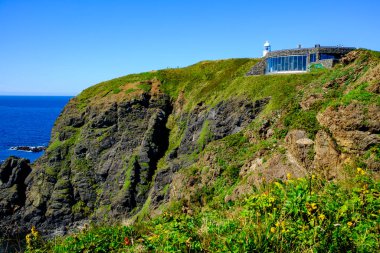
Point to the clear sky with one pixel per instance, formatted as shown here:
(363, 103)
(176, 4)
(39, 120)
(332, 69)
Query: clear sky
(60, 47)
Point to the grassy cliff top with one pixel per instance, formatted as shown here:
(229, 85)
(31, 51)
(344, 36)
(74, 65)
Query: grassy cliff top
(207, 81)
(213, 81)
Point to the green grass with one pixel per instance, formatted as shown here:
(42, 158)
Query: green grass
(282, 216)
(360, 94)
(130, 90)
(116, 90)
(128, 171)
(300, 119)
(145, 87)
(205, 135)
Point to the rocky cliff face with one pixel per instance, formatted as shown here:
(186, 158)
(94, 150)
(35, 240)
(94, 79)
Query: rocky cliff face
(101, 161)
(116, 150)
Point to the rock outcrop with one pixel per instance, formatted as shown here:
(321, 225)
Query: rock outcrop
(102, 161)
(203, 126)
(13, 173)
(355, 127)
(300, 147)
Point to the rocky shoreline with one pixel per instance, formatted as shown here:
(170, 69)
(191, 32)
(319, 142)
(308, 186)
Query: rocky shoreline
(34, 149)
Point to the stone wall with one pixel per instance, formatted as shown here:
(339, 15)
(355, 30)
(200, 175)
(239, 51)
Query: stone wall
(258, 68)
(329, 63)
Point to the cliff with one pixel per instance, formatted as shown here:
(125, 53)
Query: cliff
(132, 146)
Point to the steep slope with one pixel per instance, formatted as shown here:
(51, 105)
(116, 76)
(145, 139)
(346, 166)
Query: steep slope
(199, 137)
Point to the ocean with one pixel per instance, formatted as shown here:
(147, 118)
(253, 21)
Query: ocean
(27, 121)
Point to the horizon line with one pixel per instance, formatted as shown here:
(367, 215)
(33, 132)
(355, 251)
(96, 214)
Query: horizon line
(36, 95)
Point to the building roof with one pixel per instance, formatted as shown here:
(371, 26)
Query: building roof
(316, 49)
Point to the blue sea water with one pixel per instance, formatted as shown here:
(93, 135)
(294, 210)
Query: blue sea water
(27, 121)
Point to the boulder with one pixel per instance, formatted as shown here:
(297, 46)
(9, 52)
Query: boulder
(327, 156)
(13, 173)
(355, 127)
(300, 147)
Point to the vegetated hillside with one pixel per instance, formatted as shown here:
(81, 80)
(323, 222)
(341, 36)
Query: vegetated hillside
(204, 158)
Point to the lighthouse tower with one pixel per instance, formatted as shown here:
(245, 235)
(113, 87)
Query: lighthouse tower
(267, 48)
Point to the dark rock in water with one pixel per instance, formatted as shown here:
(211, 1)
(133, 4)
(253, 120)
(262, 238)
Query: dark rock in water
(34, 149)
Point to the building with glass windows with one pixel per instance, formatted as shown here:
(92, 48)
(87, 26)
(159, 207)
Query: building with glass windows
(297, 60)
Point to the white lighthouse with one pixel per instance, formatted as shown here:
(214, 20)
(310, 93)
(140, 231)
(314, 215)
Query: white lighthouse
(267, 48)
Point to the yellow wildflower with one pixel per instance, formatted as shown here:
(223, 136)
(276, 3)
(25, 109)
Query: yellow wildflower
(289, 176)
(313, 176)
(360, 171)
(34, 231)
(277, 224)
(322, 217)
(273, 229)
(311, 207)
(28, 239)
(278, 185)
(350, 224)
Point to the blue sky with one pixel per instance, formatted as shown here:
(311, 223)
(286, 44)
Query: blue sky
(61, 47)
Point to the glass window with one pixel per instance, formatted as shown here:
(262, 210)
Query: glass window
(286, 63)
(276, 62)
(299, 62)
(271, 65)
(327, 56)
(292, 63)
(304, 62)
(313, 57)
(294, 58)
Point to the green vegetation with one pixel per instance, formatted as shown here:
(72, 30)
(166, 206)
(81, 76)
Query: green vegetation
(130, 90)
(130, 165)
(281, 216)
(116, 90)
(55, 144)
(205, 135)
(144, 86)
(80, 207)
(300, 119)
(360, 94)
(221, 209)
